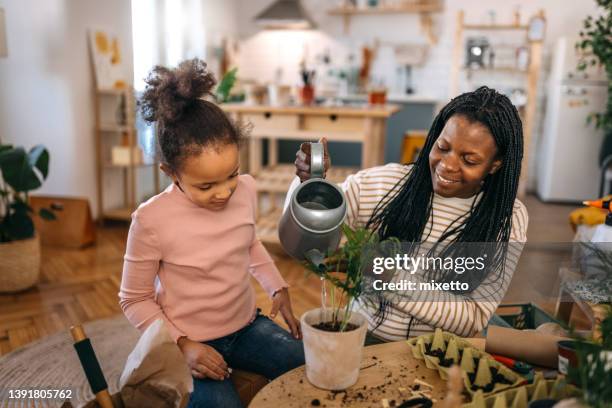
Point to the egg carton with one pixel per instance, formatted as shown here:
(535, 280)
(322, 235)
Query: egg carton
(520, 397)
(483, 376)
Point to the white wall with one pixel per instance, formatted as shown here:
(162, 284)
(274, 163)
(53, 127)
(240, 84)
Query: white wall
(46, 84)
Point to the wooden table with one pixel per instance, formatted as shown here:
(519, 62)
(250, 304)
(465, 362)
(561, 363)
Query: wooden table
(387, 372)
(365, 124)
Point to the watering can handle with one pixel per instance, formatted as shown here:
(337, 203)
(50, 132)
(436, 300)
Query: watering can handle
(316, 160)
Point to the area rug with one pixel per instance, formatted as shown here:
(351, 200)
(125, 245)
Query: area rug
(52, 363)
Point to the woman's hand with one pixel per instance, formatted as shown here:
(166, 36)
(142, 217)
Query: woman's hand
(203, 360)
(281, 301)
(302, 160)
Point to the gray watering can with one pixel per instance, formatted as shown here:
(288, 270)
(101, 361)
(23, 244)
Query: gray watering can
(312, 222)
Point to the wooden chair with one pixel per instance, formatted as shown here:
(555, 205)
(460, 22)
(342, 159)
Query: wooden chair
(413, 143)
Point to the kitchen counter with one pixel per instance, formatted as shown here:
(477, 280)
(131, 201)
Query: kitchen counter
(365, 110)
(395, 98)
(361, 123)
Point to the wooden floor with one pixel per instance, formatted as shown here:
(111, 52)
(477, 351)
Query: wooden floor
(82, 285)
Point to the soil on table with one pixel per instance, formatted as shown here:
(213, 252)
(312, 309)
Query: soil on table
(334, 326)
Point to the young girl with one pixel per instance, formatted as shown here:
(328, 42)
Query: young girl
(191, 248)
(461, 189)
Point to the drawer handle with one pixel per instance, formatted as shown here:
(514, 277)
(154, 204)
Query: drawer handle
(267, 115)
(333, 118)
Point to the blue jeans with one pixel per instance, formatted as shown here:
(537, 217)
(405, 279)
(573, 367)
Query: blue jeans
(261, 347)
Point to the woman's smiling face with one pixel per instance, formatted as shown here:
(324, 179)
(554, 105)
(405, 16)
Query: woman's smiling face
(464, 154)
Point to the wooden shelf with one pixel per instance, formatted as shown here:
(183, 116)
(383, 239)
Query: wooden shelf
(495, 27)
(118, 214)
(422, 7)
(277, 179)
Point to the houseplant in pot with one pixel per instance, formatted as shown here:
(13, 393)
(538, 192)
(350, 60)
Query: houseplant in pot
(596, 45)
(21, 171)
(334, 336)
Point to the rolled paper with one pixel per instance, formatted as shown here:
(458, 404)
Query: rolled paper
(438, 341)
(500, 401)
(483, 375)
(540, 391)
(452, 352)
(528, 346)
(520, 398)
(467, 361)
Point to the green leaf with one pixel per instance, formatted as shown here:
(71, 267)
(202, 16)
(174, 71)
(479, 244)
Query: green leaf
(226, 85)
(5, 148)
(47, 214)
(17, 170)
(19, 226)
(20, 206)
(39, 158)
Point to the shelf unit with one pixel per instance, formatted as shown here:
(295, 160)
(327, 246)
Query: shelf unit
(422, 7)
(106, 135)
(530, 75)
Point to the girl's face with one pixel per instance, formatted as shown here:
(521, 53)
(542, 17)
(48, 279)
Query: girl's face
(464, 154)
(210, 177)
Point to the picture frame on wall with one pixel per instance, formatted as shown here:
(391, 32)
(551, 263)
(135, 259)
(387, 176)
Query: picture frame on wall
(106, 58)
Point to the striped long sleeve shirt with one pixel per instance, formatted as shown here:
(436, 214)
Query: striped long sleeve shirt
(464, 316)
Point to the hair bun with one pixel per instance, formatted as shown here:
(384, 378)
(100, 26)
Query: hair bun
(170, 91)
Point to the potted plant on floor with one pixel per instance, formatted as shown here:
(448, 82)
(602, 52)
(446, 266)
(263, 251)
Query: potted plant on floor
(334, 336)
(20, 173)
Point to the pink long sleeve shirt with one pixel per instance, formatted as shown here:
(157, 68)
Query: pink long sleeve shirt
(190, 266)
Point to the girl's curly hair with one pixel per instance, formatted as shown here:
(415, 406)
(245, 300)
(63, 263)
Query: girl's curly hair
(186, 122)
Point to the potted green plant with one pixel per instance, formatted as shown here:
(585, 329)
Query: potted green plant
(334, 336)
(20, 173)
(593, 369)
(596, 46)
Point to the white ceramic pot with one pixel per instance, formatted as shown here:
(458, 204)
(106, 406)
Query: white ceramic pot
(19, 265)
(332, 358)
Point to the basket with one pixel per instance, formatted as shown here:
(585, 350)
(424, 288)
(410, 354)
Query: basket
(20, 266)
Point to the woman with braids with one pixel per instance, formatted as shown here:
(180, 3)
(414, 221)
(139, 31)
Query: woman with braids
(460, 191)
(192, 248)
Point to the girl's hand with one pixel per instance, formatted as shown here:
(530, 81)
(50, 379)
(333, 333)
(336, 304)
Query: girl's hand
(302, 160)
(281, 301)
(203, 360)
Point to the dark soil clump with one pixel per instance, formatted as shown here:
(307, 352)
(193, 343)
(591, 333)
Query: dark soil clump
(334, 326)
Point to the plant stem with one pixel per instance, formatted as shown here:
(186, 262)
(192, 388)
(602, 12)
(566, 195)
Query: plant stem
(347, 311)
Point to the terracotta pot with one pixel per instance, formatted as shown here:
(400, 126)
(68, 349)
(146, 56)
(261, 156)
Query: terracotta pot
(20, 265)
(307, 94)
(332, 358)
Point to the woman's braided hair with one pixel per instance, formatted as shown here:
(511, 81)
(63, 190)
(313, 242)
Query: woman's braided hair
(405, 210)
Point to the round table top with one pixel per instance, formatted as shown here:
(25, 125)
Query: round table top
(388, 371)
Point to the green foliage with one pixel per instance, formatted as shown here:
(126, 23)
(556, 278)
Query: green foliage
(596, 46)
(226, 85)
(20, 173)
(594, 372)
(352, 259)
